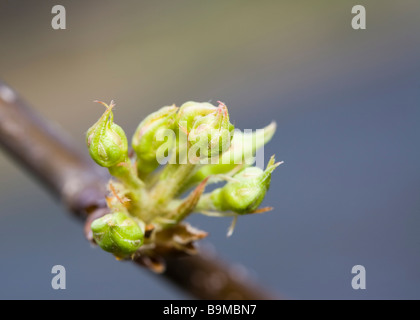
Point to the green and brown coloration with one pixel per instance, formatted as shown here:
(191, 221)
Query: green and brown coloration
(147, 213)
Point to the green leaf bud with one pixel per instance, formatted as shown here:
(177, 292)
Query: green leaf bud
(106, 140)
(246, 191)
(117, 233)
(145, 142)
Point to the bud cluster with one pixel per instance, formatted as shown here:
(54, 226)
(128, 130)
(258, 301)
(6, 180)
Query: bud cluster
(175, 149)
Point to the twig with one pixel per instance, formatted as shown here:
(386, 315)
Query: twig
(48, 153)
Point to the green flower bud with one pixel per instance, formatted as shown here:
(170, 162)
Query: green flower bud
(145, 142)
(106, 140)
(117, 233)
(246, 192)
(211, 135)
(192, 110)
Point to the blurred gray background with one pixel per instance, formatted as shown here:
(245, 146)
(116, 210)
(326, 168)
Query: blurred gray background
(347, 104)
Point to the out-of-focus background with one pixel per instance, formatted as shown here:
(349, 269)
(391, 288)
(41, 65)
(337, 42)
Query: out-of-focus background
(347, 104)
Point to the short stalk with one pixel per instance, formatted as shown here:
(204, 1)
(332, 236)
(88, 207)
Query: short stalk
(135, 187)
(172, 180)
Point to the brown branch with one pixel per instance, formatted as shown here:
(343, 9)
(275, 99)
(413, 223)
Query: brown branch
(48, 153)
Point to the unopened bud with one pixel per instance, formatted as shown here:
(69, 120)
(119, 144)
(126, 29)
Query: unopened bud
(246, 191)
(118, 234)
(210, 135)
(106, 140)
(191, 111)
(145, 142)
